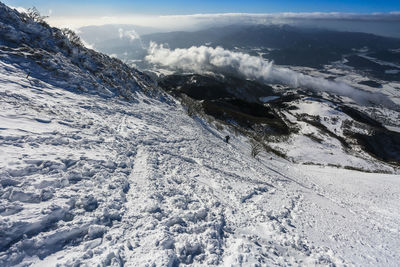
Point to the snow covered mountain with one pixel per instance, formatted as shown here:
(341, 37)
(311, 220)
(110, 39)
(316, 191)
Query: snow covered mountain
(99, 167)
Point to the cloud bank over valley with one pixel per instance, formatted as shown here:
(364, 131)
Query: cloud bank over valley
(204, 59)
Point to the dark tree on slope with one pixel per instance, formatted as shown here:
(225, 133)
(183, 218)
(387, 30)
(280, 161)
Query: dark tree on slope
(35, 15)
(255, 148)
(72, 36)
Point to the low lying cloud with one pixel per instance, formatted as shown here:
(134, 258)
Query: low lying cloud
(131, 34)
(205, 59)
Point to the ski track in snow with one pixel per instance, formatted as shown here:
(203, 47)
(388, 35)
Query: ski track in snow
(89, 180)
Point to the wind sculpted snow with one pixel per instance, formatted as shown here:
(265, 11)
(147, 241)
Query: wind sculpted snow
(93, 180)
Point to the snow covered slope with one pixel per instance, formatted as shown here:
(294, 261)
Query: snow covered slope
(92, 176)
(40, 50)
(88, 179)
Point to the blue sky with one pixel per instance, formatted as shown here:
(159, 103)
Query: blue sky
(156, 7)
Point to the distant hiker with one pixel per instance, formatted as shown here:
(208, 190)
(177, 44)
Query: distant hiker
(227, 139)
(27, 76)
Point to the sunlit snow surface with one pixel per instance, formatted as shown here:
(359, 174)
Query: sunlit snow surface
(93, 180)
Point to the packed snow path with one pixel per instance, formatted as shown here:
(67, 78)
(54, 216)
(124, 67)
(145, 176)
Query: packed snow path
(91, 180)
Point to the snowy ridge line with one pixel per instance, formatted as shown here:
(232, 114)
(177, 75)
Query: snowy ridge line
(74, 66)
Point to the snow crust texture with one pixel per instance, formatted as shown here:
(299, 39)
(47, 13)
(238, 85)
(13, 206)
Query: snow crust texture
(115, 177)
(93, 180)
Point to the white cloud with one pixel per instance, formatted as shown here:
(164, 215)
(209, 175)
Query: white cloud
(121, 33)
(131, 34)
(204, 59)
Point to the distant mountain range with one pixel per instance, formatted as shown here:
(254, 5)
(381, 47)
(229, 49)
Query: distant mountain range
(284, 44)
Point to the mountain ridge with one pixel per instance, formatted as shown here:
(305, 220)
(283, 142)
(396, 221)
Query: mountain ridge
(61, 52)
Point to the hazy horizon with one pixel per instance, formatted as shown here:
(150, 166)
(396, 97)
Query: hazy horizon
(360, 16)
